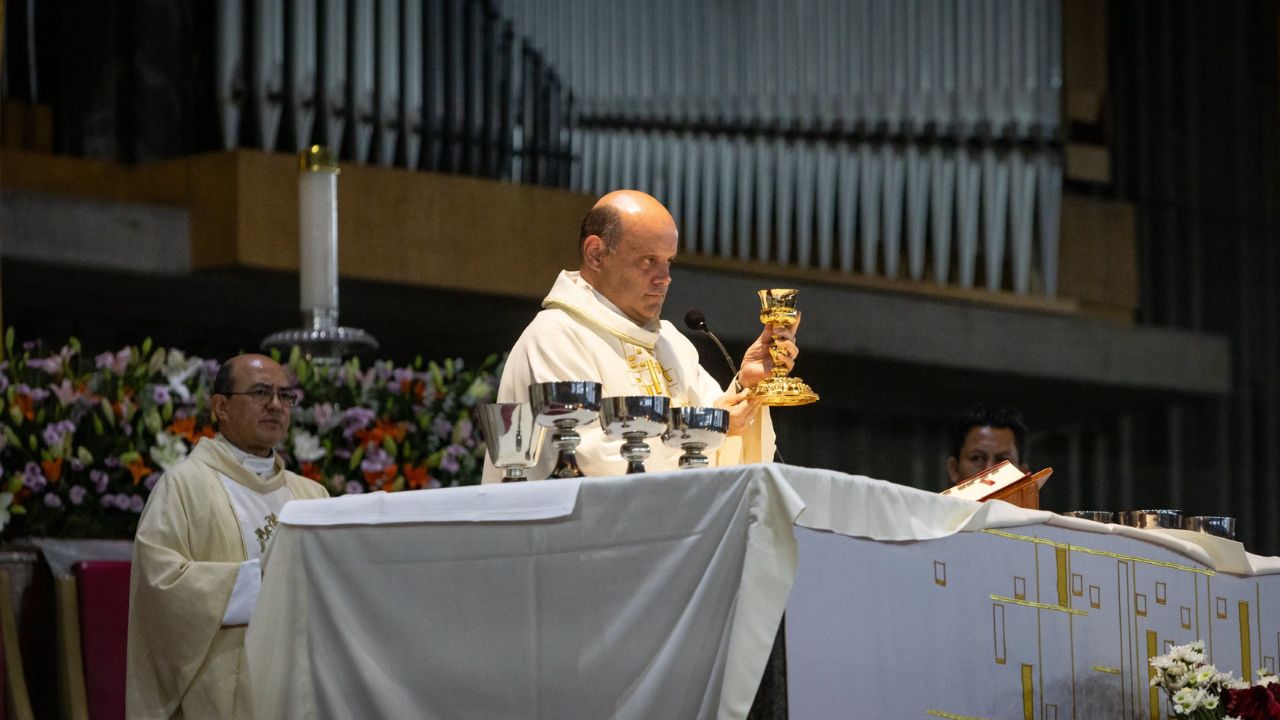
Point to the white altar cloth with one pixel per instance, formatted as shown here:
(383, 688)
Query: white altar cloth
(1002, 612)
(658, 596)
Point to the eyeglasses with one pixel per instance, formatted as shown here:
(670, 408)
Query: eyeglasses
(262, 395)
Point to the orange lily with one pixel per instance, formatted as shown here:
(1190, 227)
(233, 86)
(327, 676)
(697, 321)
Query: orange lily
(382, 429)
(379, 480)
(416, 476)
(138, 469)
(52, 469)
(26, 406)
(184, 428)
(311, 472)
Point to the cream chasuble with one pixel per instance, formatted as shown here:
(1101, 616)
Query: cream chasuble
(182, 661)
(580, 335)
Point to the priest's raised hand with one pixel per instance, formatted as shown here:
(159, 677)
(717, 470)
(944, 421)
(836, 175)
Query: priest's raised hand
(757, 362)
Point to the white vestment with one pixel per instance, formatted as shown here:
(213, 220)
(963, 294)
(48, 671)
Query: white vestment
(193, 583)
(580, 335)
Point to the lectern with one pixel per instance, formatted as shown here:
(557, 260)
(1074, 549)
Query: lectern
(1006, 482)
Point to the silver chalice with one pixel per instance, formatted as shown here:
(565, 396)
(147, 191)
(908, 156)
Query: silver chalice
(563, 406)
(512, 436)
(632, 418)
(696, 430)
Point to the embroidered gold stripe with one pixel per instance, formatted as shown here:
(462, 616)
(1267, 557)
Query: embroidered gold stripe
(586, 318)
(953, 716)
(1041, 606)
(1103, 669)
(1100, 553)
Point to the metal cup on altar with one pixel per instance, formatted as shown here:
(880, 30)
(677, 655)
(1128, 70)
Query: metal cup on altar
(778, 310)
(696, 430)
(562, 406)
(1148, 519)
(512, 436)
(633, 418)
(1219, 525)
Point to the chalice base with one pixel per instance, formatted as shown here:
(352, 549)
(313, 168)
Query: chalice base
(784, 391)
(566, 466)
(693, 458)
(514, 474)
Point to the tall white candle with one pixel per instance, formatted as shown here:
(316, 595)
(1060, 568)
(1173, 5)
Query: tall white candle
(318, 237)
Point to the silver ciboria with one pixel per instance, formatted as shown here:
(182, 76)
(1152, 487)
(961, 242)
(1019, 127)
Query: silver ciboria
(695, 430)
(633, 418)
(563, 406)
(512, 436)
(1148, 519)
(1220, 525)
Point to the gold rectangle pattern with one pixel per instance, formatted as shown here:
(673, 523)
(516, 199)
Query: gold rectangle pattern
(1064, 597)
(1246, 650)
(1028, 694)
(1154, 694)
(997, 631)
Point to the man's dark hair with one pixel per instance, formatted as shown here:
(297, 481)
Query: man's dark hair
(604, 221)
(993, 415)
(224, 383)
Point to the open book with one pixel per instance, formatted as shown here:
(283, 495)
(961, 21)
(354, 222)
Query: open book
(1000, 482)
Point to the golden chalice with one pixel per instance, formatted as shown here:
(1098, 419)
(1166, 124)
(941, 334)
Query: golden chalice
(778, 310)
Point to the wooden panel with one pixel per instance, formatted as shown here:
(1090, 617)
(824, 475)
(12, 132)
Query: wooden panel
(416, 228)
(395, 226)
(1098, 259)
(1084, 51)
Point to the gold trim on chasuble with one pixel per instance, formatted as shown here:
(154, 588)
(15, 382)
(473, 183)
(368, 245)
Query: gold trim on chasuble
(644, 371)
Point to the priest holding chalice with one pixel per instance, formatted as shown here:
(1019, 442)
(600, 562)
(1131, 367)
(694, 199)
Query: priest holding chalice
(602, 323)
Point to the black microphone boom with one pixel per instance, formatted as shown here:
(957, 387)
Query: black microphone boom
(695, 320)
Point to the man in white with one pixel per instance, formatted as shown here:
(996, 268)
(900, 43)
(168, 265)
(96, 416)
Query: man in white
(602, 323)
(195, 576)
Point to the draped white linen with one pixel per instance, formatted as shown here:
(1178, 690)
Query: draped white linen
(657, 596)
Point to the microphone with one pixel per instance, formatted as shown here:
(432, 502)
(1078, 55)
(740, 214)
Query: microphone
(695, 320)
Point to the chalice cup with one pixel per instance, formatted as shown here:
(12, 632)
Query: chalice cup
(778, 310)
(512, 436)
(562, 406)
(696, 430)
(632, 419)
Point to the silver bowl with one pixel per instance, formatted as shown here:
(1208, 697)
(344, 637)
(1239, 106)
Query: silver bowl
(1219, 525)
(1152, 518)
(633, 418)
(1102, 516)
(696, 430)
(564, 405)
(512, 437)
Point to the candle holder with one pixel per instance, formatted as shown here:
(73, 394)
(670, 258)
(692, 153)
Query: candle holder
(321, 338)
(778, 310)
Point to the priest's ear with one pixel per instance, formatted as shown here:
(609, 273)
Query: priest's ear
(594, 251)
(218, 404)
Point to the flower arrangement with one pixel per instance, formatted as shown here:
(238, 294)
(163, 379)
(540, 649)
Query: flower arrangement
(85, 439)
(1196, 690)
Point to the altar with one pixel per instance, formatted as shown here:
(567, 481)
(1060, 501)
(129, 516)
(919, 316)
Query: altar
(660, 595)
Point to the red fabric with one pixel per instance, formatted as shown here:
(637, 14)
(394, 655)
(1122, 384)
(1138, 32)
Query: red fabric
(104, 633)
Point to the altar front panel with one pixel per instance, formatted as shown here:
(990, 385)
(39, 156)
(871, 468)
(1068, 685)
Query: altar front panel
(651, 596)
(1035, 621)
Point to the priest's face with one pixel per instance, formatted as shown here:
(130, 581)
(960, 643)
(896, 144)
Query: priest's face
(255, 417)
(983, 447)
(636, 274)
